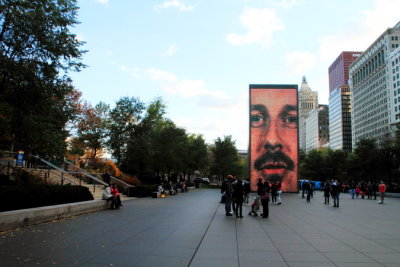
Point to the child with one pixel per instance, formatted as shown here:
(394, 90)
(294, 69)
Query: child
(255, 206)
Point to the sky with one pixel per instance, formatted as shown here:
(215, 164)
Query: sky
(200, 56)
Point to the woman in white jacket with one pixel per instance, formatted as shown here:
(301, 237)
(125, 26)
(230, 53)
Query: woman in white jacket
(108, 196)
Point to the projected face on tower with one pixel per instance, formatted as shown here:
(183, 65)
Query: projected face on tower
(274, 135)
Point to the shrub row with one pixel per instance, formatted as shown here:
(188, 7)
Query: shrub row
(14, 197)
(142, 190)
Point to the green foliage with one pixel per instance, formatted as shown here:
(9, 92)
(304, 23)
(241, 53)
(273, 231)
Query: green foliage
(37, 50)
(122, 123)
(24, 197)
(225, 157)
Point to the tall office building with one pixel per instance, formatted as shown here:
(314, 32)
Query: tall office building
(308, 100)
(372, 89)
(395, 85)
(339, 101)
(317, 128)
(339, 69)
(340, 119)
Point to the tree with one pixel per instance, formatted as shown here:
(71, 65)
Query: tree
(124, 117)
(140, 150)
(37, 50)
(226, 160)
(92, 127)
(196, 156)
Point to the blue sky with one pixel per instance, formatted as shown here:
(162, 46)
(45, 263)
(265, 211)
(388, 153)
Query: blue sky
(201, 55)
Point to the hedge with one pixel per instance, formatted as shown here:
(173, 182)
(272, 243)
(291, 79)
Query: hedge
(142, 190)
(14, 197)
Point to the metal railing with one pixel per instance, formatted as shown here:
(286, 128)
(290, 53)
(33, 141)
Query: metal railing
(123, 186)
(33, 163)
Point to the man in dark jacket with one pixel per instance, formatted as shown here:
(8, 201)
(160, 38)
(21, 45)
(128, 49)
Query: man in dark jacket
(227, 190)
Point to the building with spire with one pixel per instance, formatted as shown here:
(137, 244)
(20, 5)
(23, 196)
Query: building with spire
(308, 101)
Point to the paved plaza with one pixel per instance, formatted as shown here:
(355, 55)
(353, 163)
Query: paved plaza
(191, 229)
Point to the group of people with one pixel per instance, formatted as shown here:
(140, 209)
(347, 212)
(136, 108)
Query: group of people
(111, 193)
(236, 193)
(334, 188)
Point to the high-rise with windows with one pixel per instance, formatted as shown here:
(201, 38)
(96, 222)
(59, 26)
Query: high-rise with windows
(339, 69)
(317, 128)
(339, 101)
(372, 89)
(308, 100)
(340, 119)
(395, 86)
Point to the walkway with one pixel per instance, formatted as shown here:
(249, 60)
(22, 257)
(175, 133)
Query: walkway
(192, 230)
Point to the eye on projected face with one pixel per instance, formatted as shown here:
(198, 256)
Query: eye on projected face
(273, 129)
(260, 117)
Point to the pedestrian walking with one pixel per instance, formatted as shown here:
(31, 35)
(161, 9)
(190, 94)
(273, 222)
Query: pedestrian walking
(382, 190)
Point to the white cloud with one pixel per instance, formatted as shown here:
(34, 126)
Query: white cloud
(172, 49)
(134, 72)
(362, 31)
(174, 3)
(260, 25)
(160, 75)
(104, 2)
(298, 63)
(286, 3)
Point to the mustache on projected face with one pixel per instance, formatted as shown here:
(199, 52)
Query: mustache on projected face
(274, 160)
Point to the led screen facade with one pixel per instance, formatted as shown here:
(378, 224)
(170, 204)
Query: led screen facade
(274, 135)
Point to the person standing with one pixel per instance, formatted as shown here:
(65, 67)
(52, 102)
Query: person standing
(303, 188)
(260, 187)
(279, 193)
(370, 189)
(273, 192)
(246, 190)
(382, 190)
(264, 203)
(238, 195)
(107, 178)
(352, 189)
(309, 190)
(227, 190)
(327, 192)
(335, 191)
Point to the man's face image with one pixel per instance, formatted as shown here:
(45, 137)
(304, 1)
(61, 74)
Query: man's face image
(274, 136)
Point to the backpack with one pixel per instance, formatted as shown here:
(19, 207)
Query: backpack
(223, 186)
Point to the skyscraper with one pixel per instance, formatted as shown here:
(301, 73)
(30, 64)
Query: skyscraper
(372, 89)
(317, 128)
(339, 69)
(339, 101)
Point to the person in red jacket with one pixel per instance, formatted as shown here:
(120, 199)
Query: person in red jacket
(115, 193)
(382, 189)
